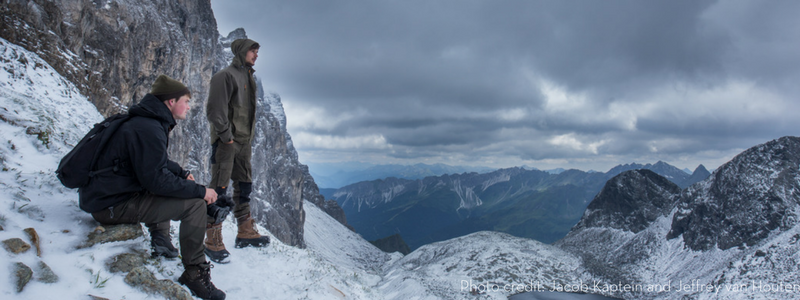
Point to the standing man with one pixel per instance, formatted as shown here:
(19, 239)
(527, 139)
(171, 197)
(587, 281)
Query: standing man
(231, 111)
(146, 187)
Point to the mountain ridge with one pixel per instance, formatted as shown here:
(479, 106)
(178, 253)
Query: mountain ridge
(339, 175)
(734, 231)
(452, 205)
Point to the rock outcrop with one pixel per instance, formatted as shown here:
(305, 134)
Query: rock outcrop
(112, 233)
(738, 227)
(143, 279)
(392, 243)
(311, 193)
(16, 245)
(613, 231)
(22, 274)
(755, 193)
(631, 201)
(113, 50)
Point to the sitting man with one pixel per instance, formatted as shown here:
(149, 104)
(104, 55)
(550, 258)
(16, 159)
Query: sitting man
(146, 187)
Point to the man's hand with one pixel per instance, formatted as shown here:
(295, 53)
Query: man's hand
(229, 142)
(190, 177)
(211, 196)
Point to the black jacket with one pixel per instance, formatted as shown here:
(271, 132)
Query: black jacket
(139, 149)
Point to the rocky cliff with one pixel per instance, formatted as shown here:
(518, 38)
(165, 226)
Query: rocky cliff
(113, 50)
(631, 201)
(615, 229)
(734, 233)
(746, 199)
(681, 178)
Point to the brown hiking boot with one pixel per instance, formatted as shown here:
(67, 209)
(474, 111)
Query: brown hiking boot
(215, 249)
(248, 235)
(198, 279)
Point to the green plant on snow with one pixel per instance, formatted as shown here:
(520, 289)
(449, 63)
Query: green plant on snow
(97, 281)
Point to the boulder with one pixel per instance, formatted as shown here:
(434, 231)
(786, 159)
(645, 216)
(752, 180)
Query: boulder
(113, 233)
(143, 279)
(16, 245)
(34, 237)
(125, 262)
(23, 274)
(45, 274)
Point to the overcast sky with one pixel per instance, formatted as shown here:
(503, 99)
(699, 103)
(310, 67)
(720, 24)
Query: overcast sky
(573, 84)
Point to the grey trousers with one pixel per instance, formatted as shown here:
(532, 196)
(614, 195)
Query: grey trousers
(156, 211)
(232, 162)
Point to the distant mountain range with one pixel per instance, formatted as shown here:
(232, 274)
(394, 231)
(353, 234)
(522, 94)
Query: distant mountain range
(535, 204)
(336, 175)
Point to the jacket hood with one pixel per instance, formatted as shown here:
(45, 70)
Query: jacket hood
(152, 107)
(239, 48)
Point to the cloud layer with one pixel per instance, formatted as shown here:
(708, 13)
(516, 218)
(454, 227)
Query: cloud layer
(586, 84)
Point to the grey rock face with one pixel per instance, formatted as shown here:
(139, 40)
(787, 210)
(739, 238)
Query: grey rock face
(670, 172)
(744, 200)
(311, 193)
(104, 46)
(631, 201)
(277, 176)
(749, 201)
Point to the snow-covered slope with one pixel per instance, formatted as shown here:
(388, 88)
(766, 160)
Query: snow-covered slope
(41, 116)
(492, 264)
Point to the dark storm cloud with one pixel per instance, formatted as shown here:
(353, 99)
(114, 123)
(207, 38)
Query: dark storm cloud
(510, 82)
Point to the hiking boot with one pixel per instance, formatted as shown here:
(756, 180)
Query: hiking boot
(248, 235)
(161, 245)
(215, 249)
(198, 279)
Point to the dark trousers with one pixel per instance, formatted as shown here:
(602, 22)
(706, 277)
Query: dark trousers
(232, 162)
(156, 212)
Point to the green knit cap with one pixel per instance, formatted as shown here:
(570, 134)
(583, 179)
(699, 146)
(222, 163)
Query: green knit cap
(166, 88)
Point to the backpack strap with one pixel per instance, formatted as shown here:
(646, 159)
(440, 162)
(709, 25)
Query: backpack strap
(114, 168)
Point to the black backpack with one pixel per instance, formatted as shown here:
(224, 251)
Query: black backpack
(78, 166)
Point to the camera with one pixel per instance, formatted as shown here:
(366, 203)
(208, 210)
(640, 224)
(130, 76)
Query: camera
(219, 210)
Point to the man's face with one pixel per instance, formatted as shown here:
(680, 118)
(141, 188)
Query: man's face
(179, 107)
(251, 57)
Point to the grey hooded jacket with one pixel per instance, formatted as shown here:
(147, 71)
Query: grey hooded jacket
(231, 106)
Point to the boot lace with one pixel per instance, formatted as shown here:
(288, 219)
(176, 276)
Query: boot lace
(214, 235)
(205, 277)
